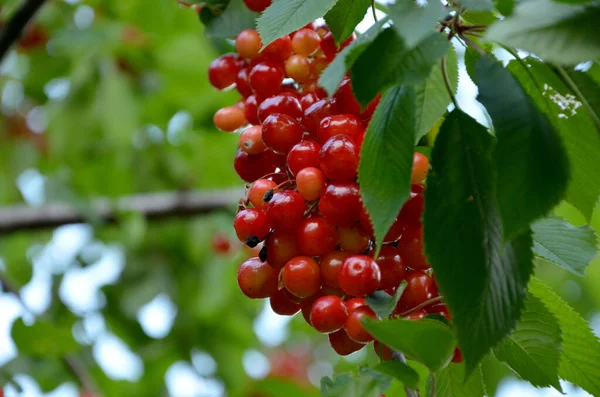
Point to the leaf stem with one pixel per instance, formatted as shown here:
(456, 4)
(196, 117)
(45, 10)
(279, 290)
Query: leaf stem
(571, 84)
(398, 356)
(422, 305)
(379, 7)
(447, 82)
(472, 44)
(15, 26)
(374, 10)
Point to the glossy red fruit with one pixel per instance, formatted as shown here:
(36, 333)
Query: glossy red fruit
(339, 159)
(223, 71)
(359, 276)
(257, 279)
(420, 288)
(317, 66)
(316, 236)
(328, 45)
(257, 5)
(251, 140)
(257, 191)
(265, 79)
(248, 43)
(342, 344)
(330, 267)
(355, 303)
(298, 67)
(340, 203)
(301, 277)
(411, 249)
(251, 222)
(458, 356)
(285, 210)
(282, 304)
(439, 308)
(306, 42)
(311, 183)
(279, 50)
(382, 351)
(353, 239)
(328, 314)
(281, 247)
(347, 102)
(416, 315)
(303, 155)
(306, 305)
(412, 210)
(354, 328)
(229, 118)
(281, 132)
(391, 266)
(284, 103)
(251, 106)
(420, 168)
(251, 167)
(340, 124)
(308, 99)
(242, 83)
(316, 112)
(221, 243)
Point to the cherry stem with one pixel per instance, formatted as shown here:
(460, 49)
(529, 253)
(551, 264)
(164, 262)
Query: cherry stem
(398, 356)
(312, 207)
(472, 44)
(422, 305)
(16, 25)
(374, 10)
(447, 82)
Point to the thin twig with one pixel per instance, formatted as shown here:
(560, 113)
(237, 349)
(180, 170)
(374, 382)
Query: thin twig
(374, 10)
(447, 82)
(432, 394)
(422, 305)
(571, 84)
(396, 355)
(14, 27)
(472, 44)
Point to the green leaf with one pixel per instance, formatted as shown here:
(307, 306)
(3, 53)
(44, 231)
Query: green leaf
(533, 349)
(395, 64)
(334, 73)
(581, 348)
(383, 304)
(477, 4)
(558, 33)
(505, 7)
(285, 16)
(432, 96)
(275, 387)
(413, 22)
(586, 90)
(577, 130)
(531, 162)
(452, 382)
(568, 246)
(363, 384)
(385, 169)
(43, 339)
(344, 16)
(482, 278)
(479, 17)
(233, 20)
(400, 371)
(471, 58)
(427, 341)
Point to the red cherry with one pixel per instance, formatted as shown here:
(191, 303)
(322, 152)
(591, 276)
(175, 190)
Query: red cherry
(411, 249)
(248, 43)
(251, 167)
(340, 203)
(316, 112)
(354, 328)
(251, 140)
(412, 210)
(342, 344)
(347, 102)
(298, 67)
(229, 118)
(316, 236)
(265, 79)
(282, 304)
(257, 279)
(307, 303)
(281, 132)
(416, 315)
(285, 210)
(328, 314)
(340, 124)
(251, 222)
(330, 267)
(242, 83)
(257, 191)
(458, 356)
(251, 106)
(223, 71)
(420, 168)
(355, 303)
(359, 276)
(308, 99)
(420, 288)
(285, 103)
(300, 276)
(281, 247)
(328, 45)
(353, 239)
(306, 42)
(279, 50)
(303, 155)
(391, 266)
(439, 308)
(382, 351)
(221, 243)
(257, 5)
(339, 159)
(311, 183)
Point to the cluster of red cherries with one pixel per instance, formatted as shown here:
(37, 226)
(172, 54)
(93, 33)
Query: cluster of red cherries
(299, 152)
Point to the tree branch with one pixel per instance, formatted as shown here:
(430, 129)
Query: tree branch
(14, 28)
(153, 206)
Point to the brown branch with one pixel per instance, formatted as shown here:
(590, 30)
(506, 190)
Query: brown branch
(14, 28)
(152, 206)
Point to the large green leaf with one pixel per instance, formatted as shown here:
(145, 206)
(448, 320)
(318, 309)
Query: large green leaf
(432, 95)
(477, 4)
(451, 382)
(428, 341)
(505, 7)
(385, 168)
(43, 339)
(568, 246)
(581, 348)
(576, 128)
(531, 162)
(395, 64)
(383, 304)
(586, 89)
(232, 21)
(534, 348)
(414, 22)
(482, 278)
(344, 16)
(365, 383)
(284, 16)
(400, 371)
(558, 33)
(334, 73)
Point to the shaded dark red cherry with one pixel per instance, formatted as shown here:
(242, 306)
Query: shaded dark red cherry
(315, 113)
(308, 99)
(355, 303)
(303, 155)
(257, 5)
(328, 314)
(316, 236)
(281, 132)
(342, 344)
(340, 124)
(411, 248)
(359, 275)
(257, 279)
(284, 103)
(251, 167)
(416, 315)
(251, 110)
(223, 71)
(339, 159)
(242, 83)
(301, 277)
(279, 50)
(458, 356)
(354, 328)
(353, 239)
(330, 267)
(281, 247)
(340, 203)
(306, 305)
(439, 308)
(420, 288)
(282, 304)
(412, 210)
(265, 79)
(391, 267)
(251, 222)
(382, 351)
(285, 210)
